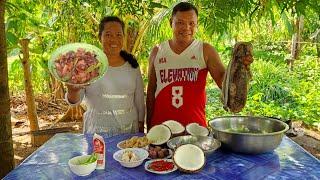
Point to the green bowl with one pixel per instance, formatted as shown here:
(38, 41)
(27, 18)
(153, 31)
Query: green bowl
(101, 57)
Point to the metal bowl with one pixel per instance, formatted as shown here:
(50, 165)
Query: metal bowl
(206, 143)
(246, 134)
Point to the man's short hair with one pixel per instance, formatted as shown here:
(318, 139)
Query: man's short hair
(183, 6)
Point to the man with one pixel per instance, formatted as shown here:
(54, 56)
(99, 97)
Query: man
(177, 72)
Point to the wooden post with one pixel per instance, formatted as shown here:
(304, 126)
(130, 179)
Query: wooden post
(296, 46)
(31, 106)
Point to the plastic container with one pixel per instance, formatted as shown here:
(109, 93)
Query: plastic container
(99, 147)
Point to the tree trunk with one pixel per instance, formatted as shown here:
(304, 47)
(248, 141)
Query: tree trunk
(6, 144)
(31, 106)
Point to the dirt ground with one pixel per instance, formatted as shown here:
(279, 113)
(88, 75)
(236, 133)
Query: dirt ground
(50, 112)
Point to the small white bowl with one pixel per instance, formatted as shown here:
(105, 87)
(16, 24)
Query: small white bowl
(141, 153)
(81, 169)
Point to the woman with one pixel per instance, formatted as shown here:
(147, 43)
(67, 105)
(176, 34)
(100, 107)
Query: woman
(115, 103)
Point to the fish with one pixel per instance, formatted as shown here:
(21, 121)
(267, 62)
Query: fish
(237, 77)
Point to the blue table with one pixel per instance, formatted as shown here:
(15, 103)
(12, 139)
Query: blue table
(50, 161)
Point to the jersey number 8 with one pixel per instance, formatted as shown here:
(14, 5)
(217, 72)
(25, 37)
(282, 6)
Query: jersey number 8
(177, 92)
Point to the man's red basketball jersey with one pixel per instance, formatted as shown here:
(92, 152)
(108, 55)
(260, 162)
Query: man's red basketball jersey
(181, 80)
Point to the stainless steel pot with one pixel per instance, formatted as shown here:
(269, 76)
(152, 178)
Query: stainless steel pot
(206, 143)
(246, 134)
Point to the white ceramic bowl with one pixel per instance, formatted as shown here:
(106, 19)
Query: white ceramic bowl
(82, 169)
(141, 153)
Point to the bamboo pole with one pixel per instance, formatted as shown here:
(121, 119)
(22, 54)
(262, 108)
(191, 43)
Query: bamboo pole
(31, 106)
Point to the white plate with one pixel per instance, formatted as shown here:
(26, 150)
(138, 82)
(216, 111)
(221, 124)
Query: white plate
(167, 157)
(118, 145)
(159, 172)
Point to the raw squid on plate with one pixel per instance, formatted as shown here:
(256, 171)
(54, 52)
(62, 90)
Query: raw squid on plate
(78, 63)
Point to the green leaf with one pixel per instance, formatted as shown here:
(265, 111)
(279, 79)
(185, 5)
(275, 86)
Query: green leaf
(284, 18)
(12, 39)
(11, 25)
(11, 7)
(272, 17)
(157, 5)
(14, 52)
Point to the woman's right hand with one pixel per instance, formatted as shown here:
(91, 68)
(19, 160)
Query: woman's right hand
(74, 93)
(74, 88)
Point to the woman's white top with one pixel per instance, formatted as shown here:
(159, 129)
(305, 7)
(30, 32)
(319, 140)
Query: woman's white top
(115, 103)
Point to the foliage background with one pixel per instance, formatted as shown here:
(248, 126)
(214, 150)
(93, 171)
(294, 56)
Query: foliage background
(275, 90)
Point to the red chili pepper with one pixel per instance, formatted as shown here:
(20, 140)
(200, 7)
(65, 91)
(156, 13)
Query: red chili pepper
(161, 165)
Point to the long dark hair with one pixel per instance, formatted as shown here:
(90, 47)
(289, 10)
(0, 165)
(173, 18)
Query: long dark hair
(124, 54)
